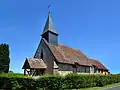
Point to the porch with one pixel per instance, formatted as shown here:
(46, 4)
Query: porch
(34, 67)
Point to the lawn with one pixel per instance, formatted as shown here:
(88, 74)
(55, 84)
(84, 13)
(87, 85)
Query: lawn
(101, 88)
(95, 88)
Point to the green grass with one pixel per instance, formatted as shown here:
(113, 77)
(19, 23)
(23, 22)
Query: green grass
(95, 88)
(101, 88)
(18, 75)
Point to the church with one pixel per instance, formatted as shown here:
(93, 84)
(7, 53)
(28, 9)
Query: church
(58, 59)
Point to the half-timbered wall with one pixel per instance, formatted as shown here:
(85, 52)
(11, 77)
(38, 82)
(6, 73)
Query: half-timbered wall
(83, 69)
(68, 68)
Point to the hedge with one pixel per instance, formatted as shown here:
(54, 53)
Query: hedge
(70, 81)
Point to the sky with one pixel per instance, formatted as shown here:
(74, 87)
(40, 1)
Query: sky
(92, 26)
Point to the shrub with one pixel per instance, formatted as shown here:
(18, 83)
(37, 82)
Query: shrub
(50, 82)
(16, 82)
(70, 81)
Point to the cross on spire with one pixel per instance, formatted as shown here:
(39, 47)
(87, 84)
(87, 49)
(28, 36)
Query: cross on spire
(49, 6)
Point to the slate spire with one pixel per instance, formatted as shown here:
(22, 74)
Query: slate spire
(49, 33)
(49, 25)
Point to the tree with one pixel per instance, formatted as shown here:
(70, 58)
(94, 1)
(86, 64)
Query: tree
(4, 58)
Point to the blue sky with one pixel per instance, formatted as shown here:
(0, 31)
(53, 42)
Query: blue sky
(92, 26)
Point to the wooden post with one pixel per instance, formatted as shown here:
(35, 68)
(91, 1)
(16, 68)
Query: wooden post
(24, 71)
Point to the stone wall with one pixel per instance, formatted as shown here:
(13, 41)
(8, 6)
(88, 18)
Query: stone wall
(63, 73)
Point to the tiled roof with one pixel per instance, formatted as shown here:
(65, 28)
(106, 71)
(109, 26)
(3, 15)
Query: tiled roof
(64, 54)
(35, 63)
(98, 64)
(68, 55)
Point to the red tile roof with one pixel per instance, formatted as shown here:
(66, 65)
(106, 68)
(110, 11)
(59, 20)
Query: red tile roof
(35, 63)
(64, 54)
(98, 64)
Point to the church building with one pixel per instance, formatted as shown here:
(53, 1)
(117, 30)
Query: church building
(58, 59)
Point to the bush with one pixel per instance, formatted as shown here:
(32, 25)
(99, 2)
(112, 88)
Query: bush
(16, 82)
(70, 81)
(50, 82)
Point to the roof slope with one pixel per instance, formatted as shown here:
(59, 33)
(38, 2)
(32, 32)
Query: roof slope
(34, 63)
(98, 64)
(64, 54)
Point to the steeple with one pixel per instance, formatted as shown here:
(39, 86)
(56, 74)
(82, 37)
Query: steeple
(49, 25)
(49, 33)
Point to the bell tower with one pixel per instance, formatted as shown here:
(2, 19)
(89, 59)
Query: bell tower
(49, 33)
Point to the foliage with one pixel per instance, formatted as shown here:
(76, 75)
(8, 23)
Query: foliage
(4, 58)
(50, 82)
(70, 81)
(10, 72)
(16, 82)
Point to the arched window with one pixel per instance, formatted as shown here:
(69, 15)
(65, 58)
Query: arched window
(41, 56)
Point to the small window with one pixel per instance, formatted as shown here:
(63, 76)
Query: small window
(41, 54)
